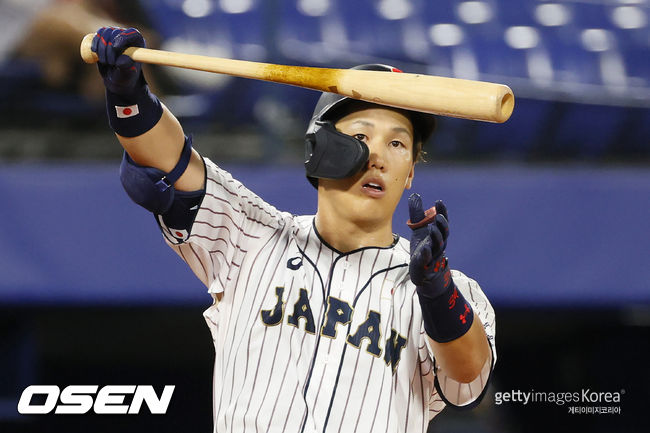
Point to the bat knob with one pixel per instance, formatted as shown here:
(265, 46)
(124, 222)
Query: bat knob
(87, 54)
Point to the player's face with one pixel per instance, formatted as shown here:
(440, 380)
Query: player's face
(374, 192)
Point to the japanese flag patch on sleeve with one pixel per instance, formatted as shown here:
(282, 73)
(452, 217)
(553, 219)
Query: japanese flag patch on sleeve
(128, 111)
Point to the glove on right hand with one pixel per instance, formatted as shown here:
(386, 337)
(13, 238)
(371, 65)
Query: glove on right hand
(121, 74)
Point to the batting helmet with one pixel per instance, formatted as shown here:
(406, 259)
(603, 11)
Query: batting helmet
(333, 155)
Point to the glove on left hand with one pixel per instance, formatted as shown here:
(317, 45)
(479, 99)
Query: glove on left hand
(446, 315)
(429, 268)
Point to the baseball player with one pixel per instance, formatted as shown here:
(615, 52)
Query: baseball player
(321, 323)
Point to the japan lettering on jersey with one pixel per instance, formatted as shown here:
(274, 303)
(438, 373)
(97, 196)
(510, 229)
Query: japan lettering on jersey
(309, 339)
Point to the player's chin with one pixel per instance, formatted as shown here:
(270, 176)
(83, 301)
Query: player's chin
(382, 205)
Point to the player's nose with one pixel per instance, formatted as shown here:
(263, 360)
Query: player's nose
(376, 159)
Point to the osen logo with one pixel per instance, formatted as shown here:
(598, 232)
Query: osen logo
(80, 399)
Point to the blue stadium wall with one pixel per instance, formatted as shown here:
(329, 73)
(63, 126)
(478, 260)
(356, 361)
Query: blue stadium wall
(531, 236)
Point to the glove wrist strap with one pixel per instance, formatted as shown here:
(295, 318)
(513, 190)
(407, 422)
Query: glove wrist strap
(133, 115)
(447, 316)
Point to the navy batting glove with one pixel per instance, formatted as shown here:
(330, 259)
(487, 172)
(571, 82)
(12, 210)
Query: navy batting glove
(121, 74)
(429, 265)
(446, 315)
(132, 109)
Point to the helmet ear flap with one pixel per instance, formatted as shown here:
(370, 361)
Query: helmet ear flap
(331, 154)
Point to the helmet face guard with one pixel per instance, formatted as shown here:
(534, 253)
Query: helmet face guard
(331, 154)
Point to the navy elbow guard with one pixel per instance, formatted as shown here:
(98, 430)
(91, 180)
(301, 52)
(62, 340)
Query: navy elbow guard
(151, 188)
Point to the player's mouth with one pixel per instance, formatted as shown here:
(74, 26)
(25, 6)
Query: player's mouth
(374, 188)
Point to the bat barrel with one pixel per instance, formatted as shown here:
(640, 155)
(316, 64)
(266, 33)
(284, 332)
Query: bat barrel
(453, 97)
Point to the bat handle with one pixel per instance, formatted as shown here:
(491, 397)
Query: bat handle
(87, 54)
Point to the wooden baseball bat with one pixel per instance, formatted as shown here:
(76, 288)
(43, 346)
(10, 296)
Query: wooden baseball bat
(454, 97)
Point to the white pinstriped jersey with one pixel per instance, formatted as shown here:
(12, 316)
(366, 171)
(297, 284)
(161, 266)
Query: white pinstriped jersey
(309, 339)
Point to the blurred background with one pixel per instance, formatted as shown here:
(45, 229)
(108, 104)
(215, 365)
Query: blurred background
(549, 211)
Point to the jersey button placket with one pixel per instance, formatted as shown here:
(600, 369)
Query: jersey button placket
(345, 290)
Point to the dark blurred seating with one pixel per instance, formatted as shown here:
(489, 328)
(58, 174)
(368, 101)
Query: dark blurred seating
(589, 60)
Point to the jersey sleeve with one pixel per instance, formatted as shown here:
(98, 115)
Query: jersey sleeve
(450, 391)
(231, 220)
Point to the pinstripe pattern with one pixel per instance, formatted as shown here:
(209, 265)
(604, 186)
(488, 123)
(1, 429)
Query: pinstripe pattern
(273, 376)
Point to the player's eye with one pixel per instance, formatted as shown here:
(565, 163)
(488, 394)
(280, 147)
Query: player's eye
(397, 143)
(361, 137)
